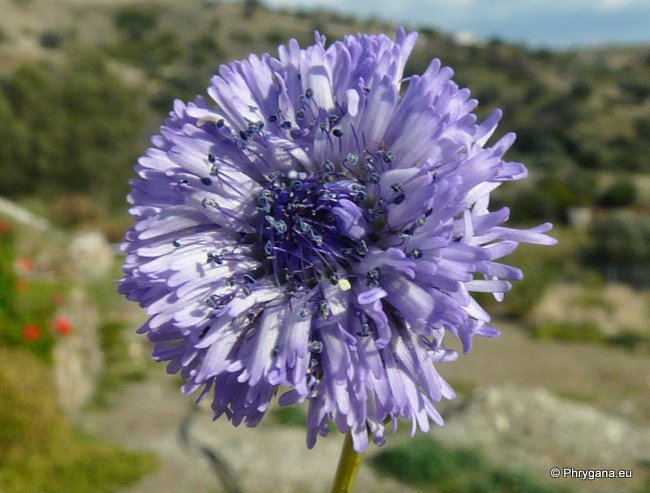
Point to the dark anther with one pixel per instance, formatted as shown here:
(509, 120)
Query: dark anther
(374, 177)
(243, 135)
(276, 351)
(428, 212)
(273, 118)
(247, 290)
(286, 124)
(296, 185)
(212, 158)
(333, 119)
(248, 279)
(381, 202)
(305, 314)
(362, 248)
(373, 277)
(337, 132)
(220, 123)
(399, 199)
(334, 278)
(309, 93)
(300, 114)
(176, 243)
(268, 248)
(316, 347)
(415, 253)
(204, 331)
(365, 330)
(206, 181)
(389, 156)
(213, 257)
(457, 239)
(254, 128)
(324, 309)
(397, 187)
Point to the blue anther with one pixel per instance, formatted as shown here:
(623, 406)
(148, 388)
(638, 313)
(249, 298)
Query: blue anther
(316, 347)
(352, 158)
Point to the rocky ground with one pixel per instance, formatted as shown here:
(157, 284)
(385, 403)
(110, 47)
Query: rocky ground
(509, 407)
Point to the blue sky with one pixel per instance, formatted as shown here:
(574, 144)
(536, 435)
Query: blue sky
(553, 23)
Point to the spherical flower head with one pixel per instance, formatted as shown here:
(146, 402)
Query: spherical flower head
(315, 228)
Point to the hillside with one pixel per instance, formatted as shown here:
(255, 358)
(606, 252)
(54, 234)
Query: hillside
(576, 113)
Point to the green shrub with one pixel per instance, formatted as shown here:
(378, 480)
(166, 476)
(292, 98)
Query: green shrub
(587, 332)
(621, 193)
(39, 451)
(619, 247)
(51, 40)
(289, 416)
(135, 21)
(425, 463)
(32, 306)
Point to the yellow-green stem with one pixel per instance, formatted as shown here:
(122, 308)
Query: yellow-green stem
(348, 468)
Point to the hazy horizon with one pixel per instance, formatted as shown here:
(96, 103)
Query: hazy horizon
(536, 23)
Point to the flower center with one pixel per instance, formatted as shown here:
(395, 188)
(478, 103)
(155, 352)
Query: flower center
(306, 226)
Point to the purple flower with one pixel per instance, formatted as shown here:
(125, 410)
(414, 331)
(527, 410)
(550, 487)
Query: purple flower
(315, 228)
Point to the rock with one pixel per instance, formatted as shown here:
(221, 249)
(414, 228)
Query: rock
(78, 359)
(90, 255)
(612, 308)
(533, 429)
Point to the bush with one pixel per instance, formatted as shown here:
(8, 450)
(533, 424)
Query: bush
(620, 248)
(73, 128)
(135, 22)
(585, 332)
(51, 40)
(621, 193)
(426, 463)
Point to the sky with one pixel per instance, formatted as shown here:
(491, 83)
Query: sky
(537, 23)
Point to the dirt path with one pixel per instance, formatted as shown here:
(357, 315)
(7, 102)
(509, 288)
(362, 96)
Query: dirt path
(274, 459)
(609, 378)
(266, 459)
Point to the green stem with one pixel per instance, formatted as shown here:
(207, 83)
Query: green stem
(348, 468)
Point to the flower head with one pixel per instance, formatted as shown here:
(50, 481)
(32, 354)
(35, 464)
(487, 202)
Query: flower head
(317, 227)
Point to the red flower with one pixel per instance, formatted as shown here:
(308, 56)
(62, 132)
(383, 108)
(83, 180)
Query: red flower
(31, 332)
(63, 326)
(25, 265)
(5, 227)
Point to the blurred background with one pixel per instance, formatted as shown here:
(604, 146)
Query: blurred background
(85, 83)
